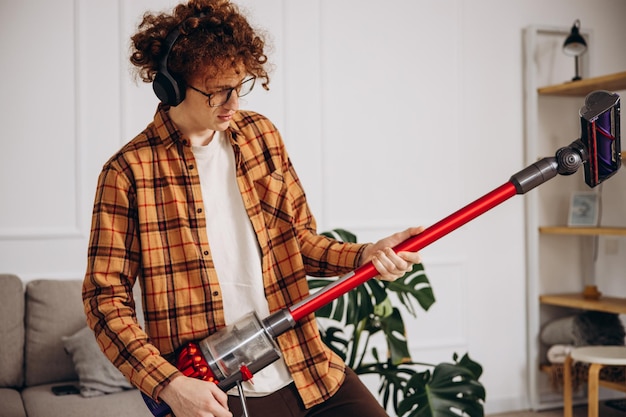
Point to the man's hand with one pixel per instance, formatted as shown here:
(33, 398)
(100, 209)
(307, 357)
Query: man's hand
(391, 265)
(190, 397)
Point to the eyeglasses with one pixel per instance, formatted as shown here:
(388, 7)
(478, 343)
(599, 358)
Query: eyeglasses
(221, 97)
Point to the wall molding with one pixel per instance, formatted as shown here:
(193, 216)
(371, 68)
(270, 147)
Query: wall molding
(50, 233)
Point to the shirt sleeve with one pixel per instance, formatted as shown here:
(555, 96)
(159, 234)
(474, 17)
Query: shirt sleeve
(112, 268)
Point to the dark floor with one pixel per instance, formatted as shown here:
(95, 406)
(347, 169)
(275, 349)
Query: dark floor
(579, 411)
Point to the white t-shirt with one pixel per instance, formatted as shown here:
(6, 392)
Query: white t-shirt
(235, 251)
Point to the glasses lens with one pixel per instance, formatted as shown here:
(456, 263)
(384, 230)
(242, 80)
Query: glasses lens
(246, 86)
(221, 97)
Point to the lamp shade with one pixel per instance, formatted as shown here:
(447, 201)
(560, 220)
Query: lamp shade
(575, 44)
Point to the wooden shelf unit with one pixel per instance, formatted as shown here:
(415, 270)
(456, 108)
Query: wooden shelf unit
(611, 82)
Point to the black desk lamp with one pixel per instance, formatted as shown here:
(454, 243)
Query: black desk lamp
(575, 45)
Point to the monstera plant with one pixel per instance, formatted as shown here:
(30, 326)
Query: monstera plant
(348, 324)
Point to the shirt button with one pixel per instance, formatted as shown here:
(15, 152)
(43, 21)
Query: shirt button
(216, 293)
(206, 252)
(199, 210)
(190, 167)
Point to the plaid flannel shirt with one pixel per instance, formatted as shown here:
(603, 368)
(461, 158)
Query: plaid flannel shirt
(148, 224)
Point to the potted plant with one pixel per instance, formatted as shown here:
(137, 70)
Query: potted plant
(349, 322)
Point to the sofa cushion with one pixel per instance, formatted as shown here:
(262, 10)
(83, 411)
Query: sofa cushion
(96, 374)
(12, 331)
(39, 401)
(54, 309)
(12, 405)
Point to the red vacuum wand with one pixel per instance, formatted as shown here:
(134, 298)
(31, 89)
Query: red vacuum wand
(519, 183)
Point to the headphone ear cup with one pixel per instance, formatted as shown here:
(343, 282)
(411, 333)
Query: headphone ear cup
(168, 89)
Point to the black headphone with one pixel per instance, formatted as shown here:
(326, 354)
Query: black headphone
(168, 88)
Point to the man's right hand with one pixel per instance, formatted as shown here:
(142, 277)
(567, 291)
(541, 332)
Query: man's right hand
(190, 397)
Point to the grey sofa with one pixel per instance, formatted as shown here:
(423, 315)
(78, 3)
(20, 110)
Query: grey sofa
(44, 343)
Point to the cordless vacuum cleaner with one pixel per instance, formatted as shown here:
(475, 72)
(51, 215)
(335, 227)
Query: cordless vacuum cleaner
(234, 353)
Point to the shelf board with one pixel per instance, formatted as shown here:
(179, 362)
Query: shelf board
(583, 231)
(576, 300)
(611, 82)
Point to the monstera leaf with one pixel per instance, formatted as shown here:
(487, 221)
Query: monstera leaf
(414, 286)
(393, 327)
(393, 379)
(452, 390)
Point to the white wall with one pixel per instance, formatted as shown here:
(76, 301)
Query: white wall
(395, 113)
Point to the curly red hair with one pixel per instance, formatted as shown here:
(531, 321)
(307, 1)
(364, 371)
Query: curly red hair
(214, 36)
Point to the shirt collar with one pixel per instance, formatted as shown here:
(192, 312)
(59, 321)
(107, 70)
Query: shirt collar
(169, 133)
